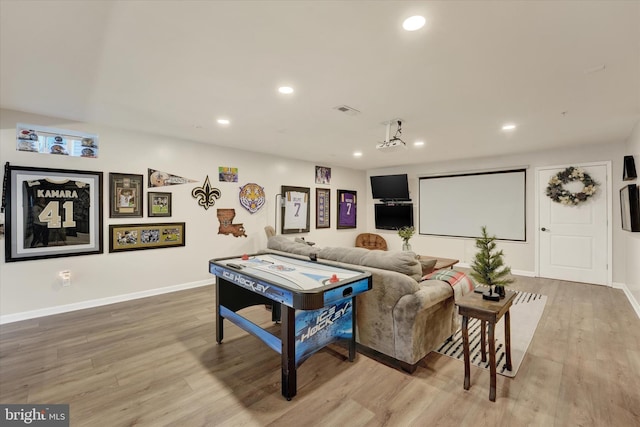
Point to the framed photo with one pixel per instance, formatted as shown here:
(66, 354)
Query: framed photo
(323, 208)
(347, 209)
(132, 237)
(227, 174)
(158, 204)
(323, 175)
(125, 195)
(630, 207)
(52, 213)
(295, 209)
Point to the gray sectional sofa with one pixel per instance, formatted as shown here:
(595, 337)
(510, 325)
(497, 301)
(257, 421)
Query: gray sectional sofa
(402, 318)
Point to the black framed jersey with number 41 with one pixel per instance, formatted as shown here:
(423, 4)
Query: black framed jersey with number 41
(63, 207)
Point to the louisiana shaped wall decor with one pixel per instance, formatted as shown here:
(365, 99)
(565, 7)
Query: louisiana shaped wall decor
(225, 216)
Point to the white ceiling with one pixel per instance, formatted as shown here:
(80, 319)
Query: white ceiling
(172, 67)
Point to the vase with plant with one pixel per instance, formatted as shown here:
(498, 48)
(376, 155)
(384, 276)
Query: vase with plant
(405, 234)
(488, 267)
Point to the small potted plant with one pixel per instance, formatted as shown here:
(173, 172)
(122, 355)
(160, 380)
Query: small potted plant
(405, 234)
(488, 267)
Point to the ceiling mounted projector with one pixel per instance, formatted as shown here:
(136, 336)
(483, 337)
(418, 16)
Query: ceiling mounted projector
(392, 143)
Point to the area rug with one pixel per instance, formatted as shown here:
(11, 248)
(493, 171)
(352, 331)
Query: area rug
(526, 312)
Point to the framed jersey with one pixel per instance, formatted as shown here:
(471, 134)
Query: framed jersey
(295, 209)
(347, 212)
(52, 213)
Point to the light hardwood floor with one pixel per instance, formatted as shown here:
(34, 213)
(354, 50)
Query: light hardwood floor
(155, 362)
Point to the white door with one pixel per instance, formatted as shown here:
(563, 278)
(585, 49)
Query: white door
(573, 240)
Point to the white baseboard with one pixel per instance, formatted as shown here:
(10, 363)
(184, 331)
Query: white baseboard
(16, 317)
(523, 273)
(635, 304)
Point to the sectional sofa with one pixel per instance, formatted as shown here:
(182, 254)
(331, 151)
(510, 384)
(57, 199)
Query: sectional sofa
(406, 314)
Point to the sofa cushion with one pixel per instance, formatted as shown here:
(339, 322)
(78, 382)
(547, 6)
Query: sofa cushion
(402, 262)
(281, 243)
(427, 265)
(345, 255)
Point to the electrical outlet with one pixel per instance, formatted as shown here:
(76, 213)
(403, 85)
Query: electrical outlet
(65, 277)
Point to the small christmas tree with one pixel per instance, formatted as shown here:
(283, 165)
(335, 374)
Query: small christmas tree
(488, 267)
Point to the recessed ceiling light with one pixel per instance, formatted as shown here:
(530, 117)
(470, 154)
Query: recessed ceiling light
(418, 143)
(285, 89)
(357, 154)
(509, 126)
(413, 23)
(223, 121)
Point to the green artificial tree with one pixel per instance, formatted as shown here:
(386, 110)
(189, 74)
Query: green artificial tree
(488, 267)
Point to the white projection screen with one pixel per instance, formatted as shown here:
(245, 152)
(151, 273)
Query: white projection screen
(459, 205)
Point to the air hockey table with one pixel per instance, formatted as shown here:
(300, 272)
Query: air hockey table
(318, 304)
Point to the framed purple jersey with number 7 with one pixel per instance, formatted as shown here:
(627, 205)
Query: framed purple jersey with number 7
(347, 212)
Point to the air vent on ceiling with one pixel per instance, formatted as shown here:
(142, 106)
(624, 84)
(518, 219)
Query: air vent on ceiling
(347, 110)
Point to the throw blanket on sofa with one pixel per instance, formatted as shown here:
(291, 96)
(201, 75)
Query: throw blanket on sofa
(459, 281)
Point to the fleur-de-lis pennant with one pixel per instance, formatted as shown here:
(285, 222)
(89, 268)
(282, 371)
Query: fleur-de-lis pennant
(206, 194)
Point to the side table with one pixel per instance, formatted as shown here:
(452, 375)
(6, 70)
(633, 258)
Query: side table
(441, 262)
(472, 305)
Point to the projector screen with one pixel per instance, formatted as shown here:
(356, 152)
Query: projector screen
(459, 205)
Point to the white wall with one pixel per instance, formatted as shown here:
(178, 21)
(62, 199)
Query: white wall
(632, 240)
(31, 288)
(520, 256)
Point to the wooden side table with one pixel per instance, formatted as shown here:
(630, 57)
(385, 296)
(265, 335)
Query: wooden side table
(472, 305)
(441, 262)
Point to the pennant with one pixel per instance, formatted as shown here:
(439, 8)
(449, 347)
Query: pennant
(162, 179)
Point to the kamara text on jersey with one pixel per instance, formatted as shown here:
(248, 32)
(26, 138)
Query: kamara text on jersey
(57, 194)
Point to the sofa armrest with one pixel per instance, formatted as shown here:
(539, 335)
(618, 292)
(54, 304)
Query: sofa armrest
(423, 320)
(375, 308)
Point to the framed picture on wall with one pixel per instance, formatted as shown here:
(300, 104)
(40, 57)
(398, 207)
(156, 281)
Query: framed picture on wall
(158, 204)
(52, 213)
(125, 195)
(131, 237)
(347, 209)
(323, 175)
(295, 209)
(630, 207)
(323, 207)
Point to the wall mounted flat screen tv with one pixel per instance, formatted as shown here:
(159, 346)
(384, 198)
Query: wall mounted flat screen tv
(390, 187)
(393, 217)
(630, 207)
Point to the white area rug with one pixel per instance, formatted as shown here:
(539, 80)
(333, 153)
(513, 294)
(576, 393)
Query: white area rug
(526, 312)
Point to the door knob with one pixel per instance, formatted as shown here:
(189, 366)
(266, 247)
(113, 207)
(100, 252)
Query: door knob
(545, 229)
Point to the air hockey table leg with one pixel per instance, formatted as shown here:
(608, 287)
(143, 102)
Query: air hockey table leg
(219, 329)
(289, 373)
(352, 341)
(219, 318)
(276, 312)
